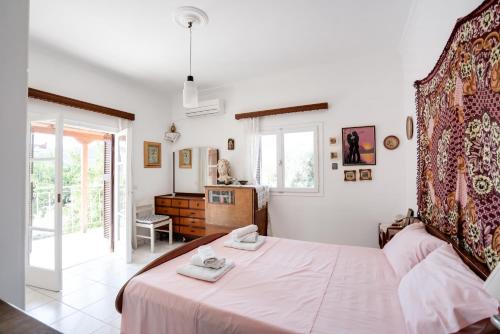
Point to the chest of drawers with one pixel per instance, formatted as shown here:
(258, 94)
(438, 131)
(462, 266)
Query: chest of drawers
(187, 213)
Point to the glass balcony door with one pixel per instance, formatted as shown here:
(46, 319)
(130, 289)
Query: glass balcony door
(44, 207)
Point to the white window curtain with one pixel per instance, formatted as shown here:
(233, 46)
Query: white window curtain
(253, 164)
(253, 149)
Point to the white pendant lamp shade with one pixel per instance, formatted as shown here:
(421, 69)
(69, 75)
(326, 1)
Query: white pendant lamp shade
(186, 17)
(190, 94)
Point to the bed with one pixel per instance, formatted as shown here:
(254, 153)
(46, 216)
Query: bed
(286, 286)
(291, 286)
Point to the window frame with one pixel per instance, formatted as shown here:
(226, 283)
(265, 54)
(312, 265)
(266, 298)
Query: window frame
(280, 132)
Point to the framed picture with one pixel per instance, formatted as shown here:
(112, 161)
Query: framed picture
(409, 127)
(152, 155)
(185, 158)
(333, 155)
(349, 175)
(391, 142)
(333, 140)
(358, 146)
(230, 144)
(365, 174)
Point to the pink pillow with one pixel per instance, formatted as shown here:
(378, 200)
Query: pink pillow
(442, 295)
(410, 246)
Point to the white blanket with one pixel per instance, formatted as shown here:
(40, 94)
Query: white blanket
(204, 274)
(245, 245)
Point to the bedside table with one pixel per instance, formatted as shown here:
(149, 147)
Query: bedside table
(386, 232)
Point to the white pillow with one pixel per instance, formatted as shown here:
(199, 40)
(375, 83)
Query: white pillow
(410, 246)
(442, 295)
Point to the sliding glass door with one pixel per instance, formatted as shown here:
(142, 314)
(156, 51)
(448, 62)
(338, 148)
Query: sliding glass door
(44, 207)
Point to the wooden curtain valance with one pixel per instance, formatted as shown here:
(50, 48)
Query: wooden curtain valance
(270, 112)
(46, 96)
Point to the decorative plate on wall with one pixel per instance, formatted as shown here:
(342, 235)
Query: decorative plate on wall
(409, 127)
(391, 142)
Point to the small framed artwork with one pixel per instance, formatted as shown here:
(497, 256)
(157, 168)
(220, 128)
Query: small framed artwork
(409, 127)
(333, 140)
(349, 175)
(391, 142)
(185, 158)
(334, 155)
(358, 146)
(230, 144)
(335, 166)
(152, 155)
(365, 174)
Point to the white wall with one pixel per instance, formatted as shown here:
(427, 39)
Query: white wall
(13, 64)
(428, 28)
(362, 90)
(58, 73)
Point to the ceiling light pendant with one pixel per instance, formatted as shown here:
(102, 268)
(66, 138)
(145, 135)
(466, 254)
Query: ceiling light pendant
(187, 17)
(190, 91)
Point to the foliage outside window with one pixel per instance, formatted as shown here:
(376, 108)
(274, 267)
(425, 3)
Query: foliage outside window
(289, 159)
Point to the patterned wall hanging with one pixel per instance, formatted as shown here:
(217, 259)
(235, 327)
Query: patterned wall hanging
(458, 124)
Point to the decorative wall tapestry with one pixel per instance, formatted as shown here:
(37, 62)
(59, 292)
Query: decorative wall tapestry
(458, 123)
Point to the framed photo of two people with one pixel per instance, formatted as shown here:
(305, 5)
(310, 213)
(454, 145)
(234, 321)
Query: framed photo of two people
(358, 146)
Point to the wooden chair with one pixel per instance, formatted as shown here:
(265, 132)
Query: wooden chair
(146, 218)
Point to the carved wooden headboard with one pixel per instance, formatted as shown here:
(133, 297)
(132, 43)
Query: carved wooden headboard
(476, 266)
(458, 120)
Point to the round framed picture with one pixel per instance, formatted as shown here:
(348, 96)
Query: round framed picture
(391, 142)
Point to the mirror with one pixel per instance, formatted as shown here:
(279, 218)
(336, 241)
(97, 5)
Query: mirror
(195, 168)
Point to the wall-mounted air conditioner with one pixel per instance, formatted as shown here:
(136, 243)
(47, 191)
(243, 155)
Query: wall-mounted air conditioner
(209, 107)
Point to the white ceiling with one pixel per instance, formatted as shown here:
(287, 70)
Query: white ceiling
(138, 38)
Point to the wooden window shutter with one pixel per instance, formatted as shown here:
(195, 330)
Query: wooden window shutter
(108, 188)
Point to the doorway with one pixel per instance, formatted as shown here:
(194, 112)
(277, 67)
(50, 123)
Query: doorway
(72, 216)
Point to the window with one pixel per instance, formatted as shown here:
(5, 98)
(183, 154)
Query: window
(289, 159)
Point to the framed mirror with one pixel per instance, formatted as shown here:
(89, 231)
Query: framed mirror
(194, 168)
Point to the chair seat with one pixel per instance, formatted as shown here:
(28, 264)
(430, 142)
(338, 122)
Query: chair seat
(152, 219)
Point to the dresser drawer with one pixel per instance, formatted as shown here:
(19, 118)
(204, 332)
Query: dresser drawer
(176, 229)
(163, 202)
(197, 204)
(192, 213)
(192, 231)
(194, 222)
(180, 203)
(167, 211)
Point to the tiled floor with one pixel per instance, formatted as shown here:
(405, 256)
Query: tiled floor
(86, 303)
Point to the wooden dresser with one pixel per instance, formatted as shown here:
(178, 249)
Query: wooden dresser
(231, 207)
(187, 213)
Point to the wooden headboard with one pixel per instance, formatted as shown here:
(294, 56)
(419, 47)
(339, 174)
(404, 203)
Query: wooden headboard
(476, 266)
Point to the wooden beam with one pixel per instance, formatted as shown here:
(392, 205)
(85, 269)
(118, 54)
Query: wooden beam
(279, 111)
(80, 135)
(67, 101)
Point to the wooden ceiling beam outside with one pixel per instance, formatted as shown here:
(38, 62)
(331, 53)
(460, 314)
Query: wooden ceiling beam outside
(80, 135)
(67, 101)
(280, 111)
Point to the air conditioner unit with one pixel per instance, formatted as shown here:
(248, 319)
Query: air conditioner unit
(209, 107)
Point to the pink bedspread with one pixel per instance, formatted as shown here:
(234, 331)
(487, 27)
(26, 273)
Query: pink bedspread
(286, 286)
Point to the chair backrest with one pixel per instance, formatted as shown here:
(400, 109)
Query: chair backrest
(142, 211)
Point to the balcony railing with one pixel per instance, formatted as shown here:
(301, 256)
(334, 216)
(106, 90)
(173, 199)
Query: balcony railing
(44, 200)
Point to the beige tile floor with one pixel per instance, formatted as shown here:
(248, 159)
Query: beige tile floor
(86, 303)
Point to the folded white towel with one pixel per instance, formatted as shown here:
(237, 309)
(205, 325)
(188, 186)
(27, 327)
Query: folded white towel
(240, 232)
(245, 245)
(213, 262)
(251, 237)
(205, 274)
(206, 252)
